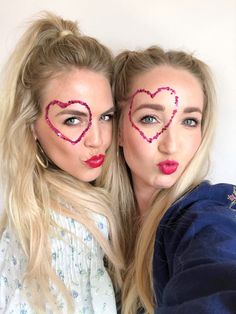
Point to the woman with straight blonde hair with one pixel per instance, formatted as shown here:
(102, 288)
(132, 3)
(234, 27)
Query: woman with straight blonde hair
(55, 131)
(178, 232)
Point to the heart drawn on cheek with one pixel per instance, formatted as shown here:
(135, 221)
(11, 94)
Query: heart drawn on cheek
(153, 95)
(63, 105)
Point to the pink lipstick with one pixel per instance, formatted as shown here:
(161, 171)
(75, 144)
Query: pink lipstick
(95, 161)
(168, 166)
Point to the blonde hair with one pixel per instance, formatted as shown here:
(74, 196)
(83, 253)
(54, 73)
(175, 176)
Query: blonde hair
(137, 240)
(49, 47)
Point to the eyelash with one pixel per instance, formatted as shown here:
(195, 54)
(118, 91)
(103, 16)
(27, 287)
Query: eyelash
(194, 120)
(142, 120)
(109, 115)
(103, 118)
(68, 121)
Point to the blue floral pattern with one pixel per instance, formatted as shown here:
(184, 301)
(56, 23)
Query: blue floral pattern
(78, 261)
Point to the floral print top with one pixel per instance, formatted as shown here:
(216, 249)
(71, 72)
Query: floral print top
(77, 259)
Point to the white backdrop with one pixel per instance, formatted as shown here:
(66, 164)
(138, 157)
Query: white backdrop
(205, 27)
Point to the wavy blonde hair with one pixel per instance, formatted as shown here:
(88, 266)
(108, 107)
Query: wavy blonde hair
(136, 238)
(51, 46)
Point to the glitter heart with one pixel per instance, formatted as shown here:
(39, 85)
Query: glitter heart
(152, 95)
(64, 106)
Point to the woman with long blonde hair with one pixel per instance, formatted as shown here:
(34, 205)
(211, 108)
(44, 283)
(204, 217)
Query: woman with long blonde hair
(178, 232)
(55, 131)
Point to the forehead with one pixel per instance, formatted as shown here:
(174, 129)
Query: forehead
(186, 85)
(165, 74)
(79, 84)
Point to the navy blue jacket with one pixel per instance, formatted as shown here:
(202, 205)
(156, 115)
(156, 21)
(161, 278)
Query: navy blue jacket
(194, 264)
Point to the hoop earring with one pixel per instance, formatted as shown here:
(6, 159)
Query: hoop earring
(41, 157)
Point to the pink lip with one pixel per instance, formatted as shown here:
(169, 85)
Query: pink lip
(168, 166)
(95, 161)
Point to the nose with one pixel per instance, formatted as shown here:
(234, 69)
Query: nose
(167, 142)
(93, 138)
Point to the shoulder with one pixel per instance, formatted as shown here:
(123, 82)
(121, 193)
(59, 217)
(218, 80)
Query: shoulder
(12, 268)
(77, 227)
(12, 256)
(205, 201)
(101, 223)
(208, 210)
(221, 193)
(195, 247)
(10, 248)
(199, 226)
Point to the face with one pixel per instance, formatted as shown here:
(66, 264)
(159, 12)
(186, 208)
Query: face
(75, 131)
(158, 143)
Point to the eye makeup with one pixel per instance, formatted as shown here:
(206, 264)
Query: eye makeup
(150, 138)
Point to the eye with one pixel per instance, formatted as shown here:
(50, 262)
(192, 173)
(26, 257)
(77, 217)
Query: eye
(149, 120)
(107, 117)
(72, 121)
(191, 122)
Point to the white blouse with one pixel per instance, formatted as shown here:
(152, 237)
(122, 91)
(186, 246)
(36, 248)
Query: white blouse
(77, 259)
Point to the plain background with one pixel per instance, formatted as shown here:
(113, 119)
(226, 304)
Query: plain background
(205, 27)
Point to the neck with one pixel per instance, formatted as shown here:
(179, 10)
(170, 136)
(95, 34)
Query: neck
(144, 197)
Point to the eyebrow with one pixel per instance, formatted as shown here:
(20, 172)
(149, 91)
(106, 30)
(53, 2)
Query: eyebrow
(192, 109)
(157, 107)
(72, 112)
(110, 110)
(81, 113)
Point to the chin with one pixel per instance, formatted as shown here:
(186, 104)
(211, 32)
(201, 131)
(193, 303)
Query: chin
(165, 183)
(89, 178)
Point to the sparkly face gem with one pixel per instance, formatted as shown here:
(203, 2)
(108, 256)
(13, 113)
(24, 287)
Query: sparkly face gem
(63, 106)
(168, 89)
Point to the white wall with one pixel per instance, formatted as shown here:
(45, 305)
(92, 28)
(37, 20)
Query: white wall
(206, 27)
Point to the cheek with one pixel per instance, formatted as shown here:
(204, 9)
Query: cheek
(49, 141)
(198, 139)
(42, 132)
(107, 135)
(64, 154)
(195, 143)
(126, 131)
(134, 146)
(128, 137)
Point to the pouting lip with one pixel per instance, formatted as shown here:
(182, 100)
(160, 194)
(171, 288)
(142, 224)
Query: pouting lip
(95, 161)
(168, 163)
(168, 167)
(96, 158)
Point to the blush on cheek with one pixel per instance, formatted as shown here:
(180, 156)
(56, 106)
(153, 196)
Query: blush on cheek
(197, 143)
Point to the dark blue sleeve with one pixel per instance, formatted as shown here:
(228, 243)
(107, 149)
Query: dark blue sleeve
(200, 251)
